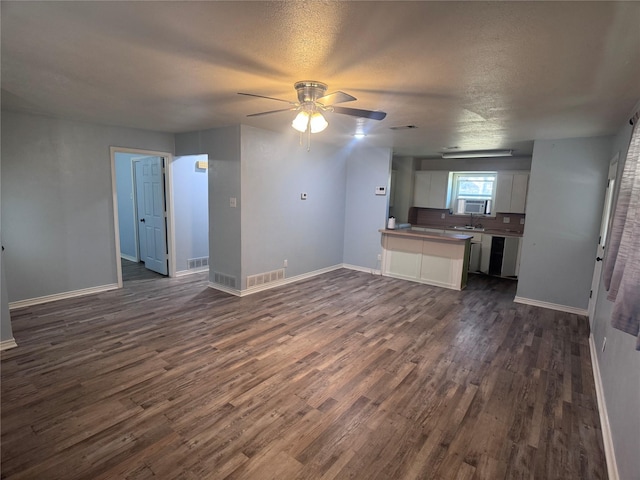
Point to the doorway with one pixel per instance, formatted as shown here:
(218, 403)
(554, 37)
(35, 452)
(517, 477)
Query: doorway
(157, 202)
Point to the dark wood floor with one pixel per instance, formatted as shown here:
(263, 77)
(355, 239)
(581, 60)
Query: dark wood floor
(346, 375)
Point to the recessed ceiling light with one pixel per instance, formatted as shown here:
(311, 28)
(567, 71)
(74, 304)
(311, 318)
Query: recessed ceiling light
(359, 135)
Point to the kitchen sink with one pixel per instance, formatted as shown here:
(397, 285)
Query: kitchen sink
(468, 228)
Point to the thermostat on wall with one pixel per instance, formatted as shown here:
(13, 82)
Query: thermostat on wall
(381, 190)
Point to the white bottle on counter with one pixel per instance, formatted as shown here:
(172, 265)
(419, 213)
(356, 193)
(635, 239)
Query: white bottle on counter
(392, 223)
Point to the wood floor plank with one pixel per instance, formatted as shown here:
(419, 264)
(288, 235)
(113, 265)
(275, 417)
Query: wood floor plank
(344, 375)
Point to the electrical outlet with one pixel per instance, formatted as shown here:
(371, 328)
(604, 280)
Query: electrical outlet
(442, 216)
(233, 202)
(379, 257)
(522, 221)
(286, 264)
(506, 219)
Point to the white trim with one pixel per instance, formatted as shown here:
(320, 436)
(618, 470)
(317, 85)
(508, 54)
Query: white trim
(8, 344)
(62, 296)
(607, 438)
(184, 273)
(129, 257)
(270, 285)
(551, 306)
(358, 268)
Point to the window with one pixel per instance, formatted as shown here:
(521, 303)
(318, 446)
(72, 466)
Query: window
(472, 186)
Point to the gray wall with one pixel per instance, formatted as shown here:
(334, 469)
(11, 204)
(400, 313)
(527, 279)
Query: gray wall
(403, 194)
(276, 223)
(566, 191)
(6, 332)
(126, 205)
(222, 145)
(619, 364)
(57, 207)
(190, 187)
(365, 212)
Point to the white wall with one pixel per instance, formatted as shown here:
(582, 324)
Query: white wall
(190, 187)
(619, 364)
(365, 212)
(57, 207)
(564, 203)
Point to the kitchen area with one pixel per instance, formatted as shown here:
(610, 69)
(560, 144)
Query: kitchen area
(484, 199)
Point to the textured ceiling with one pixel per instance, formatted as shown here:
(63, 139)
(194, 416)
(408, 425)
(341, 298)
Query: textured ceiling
(478, 75)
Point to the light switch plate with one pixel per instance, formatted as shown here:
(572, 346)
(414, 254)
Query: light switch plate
(506, 219)
(233, 202)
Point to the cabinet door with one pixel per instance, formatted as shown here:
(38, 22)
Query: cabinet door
(438, 189)
(485, 253)
(519, 192)
(504, 185)
(421, 187)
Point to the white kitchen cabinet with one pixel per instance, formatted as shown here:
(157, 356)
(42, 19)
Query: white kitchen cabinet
(430, 189)
(511, 192)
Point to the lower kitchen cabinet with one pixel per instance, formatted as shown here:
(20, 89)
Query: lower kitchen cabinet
(500, 255)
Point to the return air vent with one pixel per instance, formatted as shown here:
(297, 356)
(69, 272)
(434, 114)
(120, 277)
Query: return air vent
(226, 280)
(194, 263)
(403, 127)
(263, 278)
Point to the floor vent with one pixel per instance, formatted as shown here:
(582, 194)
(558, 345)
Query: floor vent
(263, 278)
(226, 280)
(194, 263)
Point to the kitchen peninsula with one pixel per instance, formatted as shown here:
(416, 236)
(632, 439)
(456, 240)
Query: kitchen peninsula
(439, 259)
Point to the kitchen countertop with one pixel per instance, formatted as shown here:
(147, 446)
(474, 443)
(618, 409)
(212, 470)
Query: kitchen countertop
(407, 232)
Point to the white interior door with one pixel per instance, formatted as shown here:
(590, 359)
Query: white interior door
(604, 228)
(152, 219)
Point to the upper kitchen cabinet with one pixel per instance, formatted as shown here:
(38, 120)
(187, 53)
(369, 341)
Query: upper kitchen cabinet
(430, 189)
(511, 192)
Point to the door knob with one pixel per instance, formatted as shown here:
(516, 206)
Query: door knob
(142, 220)
(598, 259)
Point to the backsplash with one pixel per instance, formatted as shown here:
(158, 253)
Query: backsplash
(432, 217)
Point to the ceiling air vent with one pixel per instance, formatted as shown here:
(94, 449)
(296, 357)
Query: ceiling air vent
(403, 127)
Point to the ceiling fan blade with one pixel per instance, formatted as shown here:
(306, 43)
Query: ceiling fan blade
(335, 97)
(270, 98)
(356, 112)
(271, 111)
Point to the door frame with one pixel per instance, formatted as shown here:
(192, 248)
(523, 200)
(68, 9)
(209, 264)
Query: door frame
(607, 210)
(168, 187)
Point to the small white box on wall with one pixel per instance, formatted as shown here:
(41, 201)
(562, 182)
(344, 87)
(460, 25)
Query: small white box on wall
(381, 190)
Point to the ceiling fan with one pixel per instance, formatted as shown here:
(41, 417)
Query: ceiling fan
(312, 101)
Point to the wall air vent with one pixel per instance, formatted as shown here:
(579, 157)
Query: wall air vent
(403, 127)
(223, 279)
(264, 278)
(196, 263)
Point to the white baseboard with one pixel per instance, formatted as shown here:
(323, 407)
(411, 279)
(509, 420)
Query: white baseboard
(552, 306)
(270, 285)
(184, 273)
(61, 296)
(7, 344)
(129, 257)
(607, 439)
(358, 268)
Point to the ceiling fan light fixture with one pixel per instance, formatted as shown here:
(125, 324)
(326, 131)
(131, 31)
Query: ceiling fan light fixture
(317, 122)
(301, 122)
(479, 154)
